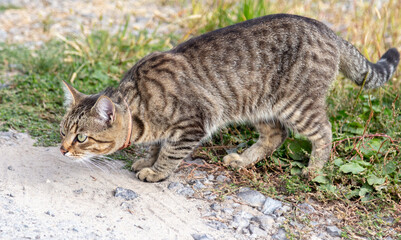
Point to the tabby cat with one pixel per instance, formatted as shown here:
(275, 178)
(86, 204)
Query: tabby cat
(273, 72)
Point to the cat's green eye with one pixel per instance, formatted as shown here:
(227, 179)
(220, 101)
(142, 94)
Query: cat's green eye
(81, 138)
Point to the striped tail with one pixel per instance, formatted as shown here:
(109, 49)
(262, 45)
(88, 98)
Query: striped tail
(355, 66)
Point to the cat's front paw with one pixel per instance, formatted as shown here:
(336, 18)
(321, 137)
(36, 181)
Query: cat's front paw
(141, 164)
(234, 160)
(150, 175)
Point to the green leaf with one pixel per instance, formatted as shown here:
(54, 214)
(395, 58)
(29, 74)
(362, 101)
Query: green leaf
(352, 167)
(354, 127)
(328, 188)
(390, 167)
(338, 162)
(362, 163)
(321, 179)
(371, 147)
(296, 171)
(374, 180)
(297, 149)
(365, 189)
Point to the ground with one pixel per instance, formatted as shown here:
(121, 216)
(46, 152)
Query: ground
(44, 195)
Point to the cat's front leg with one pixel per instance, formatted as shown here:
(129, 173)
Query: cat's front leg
(149, 161)
(170, 156)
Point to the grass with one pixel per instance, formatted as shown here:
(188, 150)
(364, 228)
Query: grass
(364, 174)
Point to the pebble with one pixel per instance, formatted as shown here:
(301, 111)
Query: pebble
(10, 168)
(78, 191)
(215, 206)
(281, 210)
(202, 236)
(221, 178)
(175, 185)
(256, 231)
(241, 220)
(306, 208)
(265, 222)
(197, 185)
(210, 177)
(227, 211)
(252, 198)
(50, 213)
(217, 225)
(280, 235)
(186, 191)
(127, 194)
(333, 231)
(270, 205)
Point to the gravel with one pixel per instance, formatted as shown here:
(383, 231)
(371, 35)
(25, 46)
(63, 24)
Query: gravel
(270, 205)
(127, 194)
(333, 231)
(265, 222)
(202, 237)
(252, 198)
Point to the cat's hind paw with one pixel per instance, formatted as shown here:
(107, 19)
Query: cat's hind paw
(150, 175)
(234, 160)
(141, 164)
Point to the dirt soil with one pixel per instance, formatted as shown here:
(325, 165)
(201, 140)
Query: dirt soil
(46, 195)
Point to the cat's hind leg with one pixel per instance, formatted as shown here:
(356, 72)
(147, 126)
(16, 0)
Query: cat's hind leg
(310, 120)
(271, 136)
(149, 161)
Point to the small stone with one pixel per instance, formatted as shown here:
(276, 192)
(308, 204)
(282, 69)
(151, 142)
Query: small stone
(50, 213)
(281, 210)
(241, 220)
(221, 178)
(270, 205)
(254, 230)
(202, 236)
(217, 225)
(186, 191)
(252, 198)
(333, 231)
(306, 208)
(175, 185)
(210, 177)
(211, 197)
(127, 194)
(265, 222)
(198, 185)
(215, 206)
(228, 211)
(280, 235)
(78, 191)
(10, 168)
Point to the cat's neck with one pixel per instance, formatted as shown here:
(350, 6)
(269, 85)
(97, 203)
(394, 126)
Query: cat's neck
(128, 93)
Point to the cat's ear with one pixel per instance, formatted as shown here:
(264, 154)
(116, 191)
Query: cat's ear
(71, 95)
(104, 109)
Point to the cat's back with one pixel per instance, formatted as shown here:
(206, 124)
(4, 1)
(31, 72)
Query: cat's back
(270, 27)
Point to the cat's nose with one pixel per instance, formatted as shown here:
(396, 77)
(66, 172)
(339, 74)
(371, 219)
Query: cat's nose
(63, 151)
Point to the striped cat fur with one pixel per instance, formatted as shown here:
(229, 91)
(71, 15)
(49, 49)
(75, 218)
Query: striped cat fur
(273, 72)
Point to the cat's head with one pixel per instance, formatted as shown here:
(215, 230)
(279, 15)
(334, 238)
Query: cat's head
(93, 125)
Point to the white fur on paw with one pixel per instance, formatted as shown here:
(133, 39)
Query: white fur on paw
(234, 160)
(141, 164)
(149, 175)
